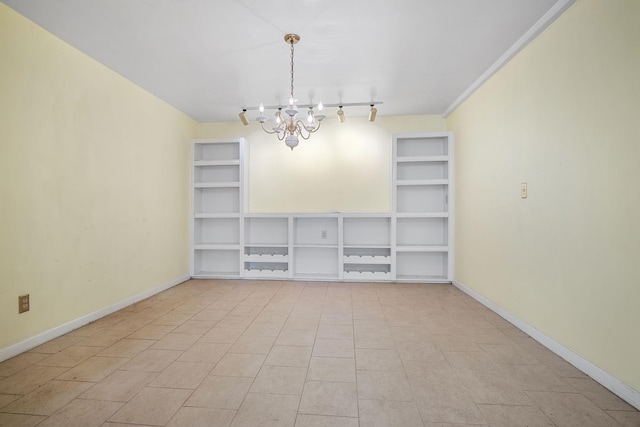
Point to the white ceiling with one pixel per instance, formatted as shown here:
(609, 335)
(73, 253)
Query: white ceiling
(211, 58)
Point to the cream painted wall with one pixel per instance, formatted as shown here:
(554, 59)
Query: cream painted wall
(94, 178)
(345, 167)
(562, 116)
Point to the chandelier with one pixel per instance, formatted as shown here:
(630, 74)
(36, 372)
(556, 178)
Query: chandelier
(288, 127)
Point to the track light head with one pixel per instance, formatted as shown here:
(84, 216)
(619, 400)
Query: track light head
(372, 113)
(243, 117)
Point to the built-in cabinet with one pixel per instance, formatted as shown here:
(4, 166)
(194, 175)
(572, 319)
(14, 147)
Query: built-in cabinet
(410, 243)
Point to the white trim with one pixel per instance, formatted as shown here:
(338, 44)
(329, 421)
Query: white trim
(533, 32)
(619, 388)
(58, 331)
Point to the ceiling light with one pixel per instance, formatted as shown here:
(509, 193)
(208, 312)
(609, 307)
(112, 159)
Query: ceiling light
(288, 127)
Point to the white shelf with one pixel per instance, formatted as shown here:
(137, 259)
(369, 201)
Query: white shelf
(317, 246)
(421, 159)
(417, 248)
(366, 246)
(422, 215)
(420, 278)
(216, 184)
(199, 163)
(424, 182)
(264, 245)
(215, 247)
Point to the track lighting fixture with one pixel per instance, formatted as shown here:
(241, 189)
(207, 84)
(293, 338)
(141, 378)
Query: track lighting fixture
(372, 113)
(287, 127)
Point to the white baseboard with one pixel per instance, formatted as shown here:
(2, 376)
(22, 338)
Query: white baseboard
(622, 390)
(52, 333)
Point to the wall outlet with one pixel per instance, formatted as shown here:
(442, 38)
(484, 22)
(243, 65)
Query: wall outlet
(523, 190)
(323, 234)
(23, 303)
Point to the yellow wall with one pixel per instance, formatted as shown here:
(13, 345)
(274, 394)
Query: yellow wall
(93, 183)
(345, 167)
(562, 116)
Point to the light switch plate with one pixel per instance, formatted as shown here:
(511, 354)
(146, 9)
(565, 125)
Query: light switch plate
(523, 190)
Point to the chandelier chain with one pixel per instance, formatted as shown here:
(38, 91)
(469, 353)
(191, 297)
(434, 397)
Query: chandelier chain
(292, 69)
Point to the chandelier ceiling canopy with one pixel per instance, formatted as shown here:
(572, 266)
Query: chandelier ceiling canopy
(288, 127)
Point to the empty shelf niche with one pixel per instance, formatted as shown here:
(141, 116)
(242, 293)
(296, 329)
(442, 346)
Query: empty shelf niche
(316, 262)
(422, 170)
(223, 152)
(217, 200)
(216, 262)
(367, 231)
(422, 198)
(421, 266)
(422, 147)
(422, 232)
(219, 231)
(219, 174)
(266, 231)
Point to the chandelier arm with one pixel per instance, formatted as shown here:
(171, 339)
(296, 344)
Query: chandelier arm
(316, 128)
(267, 130)
(300, 130)
(300, 125)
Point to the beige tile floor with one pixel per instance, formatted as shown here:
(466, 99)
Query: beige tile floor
(248, 353)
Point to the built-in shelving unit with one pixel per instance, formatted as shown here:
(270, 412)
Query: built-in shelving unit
(412, 242)
(422, 206)
(217, 213)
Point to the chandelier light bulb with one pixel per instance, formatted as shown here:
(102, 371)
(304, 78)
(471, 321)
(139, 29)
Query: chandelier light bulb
(261, 108)
(310, 115)
(340, 114)
(320, 106)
